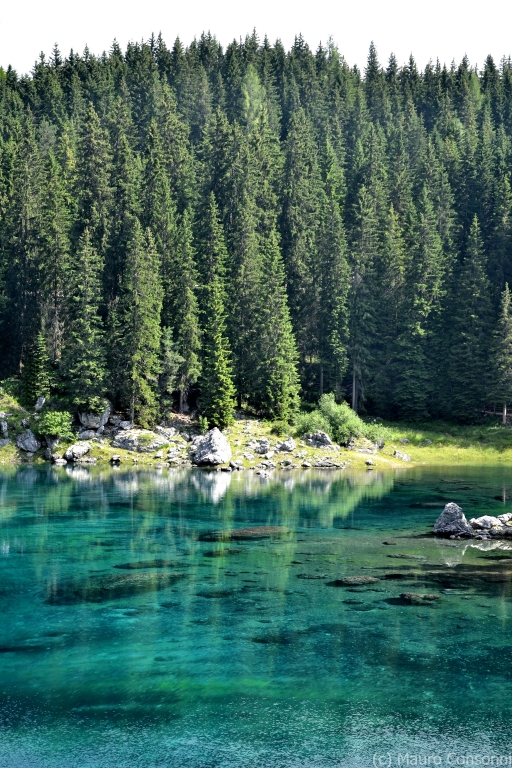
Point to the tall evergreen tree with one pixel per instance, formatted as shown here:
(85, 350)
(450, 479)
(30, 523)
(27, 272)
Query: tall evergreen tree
(216, 384)
(36, 372)
(83, 364)
(138, 327)
(502, 355)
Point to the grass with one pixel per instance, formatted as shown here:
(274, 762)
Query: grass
(435, 443)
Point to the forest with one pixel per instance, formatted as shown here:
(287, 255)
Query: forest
(250, 227)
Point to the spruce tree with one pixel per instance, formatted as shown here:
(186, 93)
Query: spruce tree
(83, 363)
(501, 359)
(36, 372)
(470, 323)
(277, 385)
(138, 327)
(217, 391)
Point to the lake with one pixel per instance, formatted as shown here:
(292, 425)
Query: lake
(126, 640)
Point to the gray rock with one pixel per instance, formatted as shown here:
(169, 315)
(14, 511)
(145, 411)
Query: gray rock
(4, 442)
(168, 432)
(485, 522)
(51, 442)
(318, 439)
(402, 456)
(27, 441)
(140, 440)
(261, 446)
(115, 459)
(3, 428)
(404, 441)
(59, 461)
(40, 402)
(93, 420)
(213, 448)
(125, 425)
(115, 420)
(452, 522)
(87, 434)
(287, 445)
(76, 451)
(505, 518)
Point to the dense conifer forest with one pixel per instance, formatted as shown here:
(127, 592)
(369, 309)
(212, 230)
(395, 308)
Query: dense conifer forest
(253, 227)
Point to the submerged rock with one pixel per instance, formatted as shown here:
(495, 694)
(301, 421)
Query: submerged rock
(415, 598)
(139, 564)
(111, 587)
(240, 534)
(353, 581)
(212, 448)
(452, 521)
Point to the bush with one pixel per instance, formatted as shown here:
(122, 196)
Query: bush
(56, 424)
(338, 420)
(344, 422)
(310, 422)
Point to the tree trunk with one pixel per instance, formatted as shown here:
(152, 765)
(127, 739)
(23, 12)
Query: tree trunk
(181, 400)
(504, 413)
(132, 410)
(354, 389)
(321, 379)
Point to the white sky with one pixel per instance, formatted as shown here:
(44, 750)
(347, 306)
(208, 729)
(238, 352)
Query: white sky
(430, 29)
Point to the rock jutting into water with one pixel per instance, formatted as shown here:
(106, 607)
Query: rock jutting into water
(256, 532)
(452, 522)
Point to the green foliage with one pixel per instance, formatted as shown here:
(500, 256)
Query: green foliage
(36, 372)
(311, 421)
(55, 424)
(338, 420)
(203, 425)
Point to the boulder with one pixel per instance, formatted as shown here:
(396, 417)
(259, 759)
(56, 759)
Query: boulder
(93, 420)
(286, 445)
(40, 402)
(58, 461)
(402, 456)
(51, 442)
(318, 439)
(124, 425)
(3, 428)
(5, 441)
(76, 451)
(87, 434)
(140, 440)
(261, 446)
(27, 441)
(452, 521)
(505, 518)
(485, 522)
(213, 449)
(115, 459)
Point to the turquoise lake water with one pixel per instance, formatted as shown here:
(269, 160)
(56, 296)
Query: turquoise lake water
(241, 654)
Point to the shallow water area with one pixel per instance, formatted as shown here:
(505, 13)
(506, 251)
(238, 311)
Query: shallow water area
(128, 640)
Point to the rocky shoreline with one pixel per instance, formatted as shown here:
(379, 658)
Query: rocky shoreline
(452, 523)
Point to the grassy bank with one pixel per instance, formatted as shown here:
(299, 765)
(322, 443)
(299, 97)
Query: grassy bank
(435, 443)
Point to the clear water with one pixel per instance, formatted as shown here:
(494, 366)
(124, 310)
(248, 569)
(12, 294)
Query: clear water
(240, 662)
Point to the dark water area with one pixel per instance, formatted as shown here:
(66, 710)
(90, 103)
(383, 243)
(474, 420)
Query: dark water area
(128, 640)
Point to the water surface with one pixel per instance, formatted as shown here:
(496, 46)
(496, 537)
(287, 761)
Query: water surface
(196, 654)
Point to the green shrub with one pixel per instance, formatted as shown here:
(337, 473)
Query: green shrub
(56, 424)
(280, 428)
(344, 422)
(310, 422)
(203, 425)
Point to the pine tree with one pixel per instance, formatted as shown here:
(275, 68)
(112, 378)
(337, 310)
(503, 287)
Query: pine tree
(36, 372)
(83, 363)
(138, 327)
(277, 388)
(185, 311)
(217, 391)
(470, 331)
(502, 355)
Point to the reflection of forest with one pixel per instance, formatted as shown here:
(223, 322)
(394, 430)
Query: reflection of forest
(310, 498)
